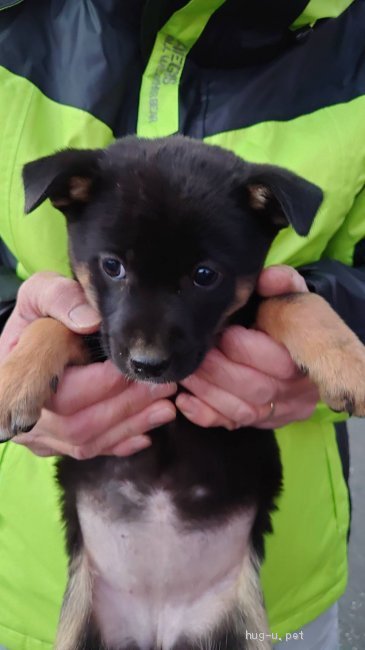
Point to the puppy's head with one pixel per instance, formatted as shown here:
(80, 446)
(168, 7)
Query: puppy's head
(167, 237)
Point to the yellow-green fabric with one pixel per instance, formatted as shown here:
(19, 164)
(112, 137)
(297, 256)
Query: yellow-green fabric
(317, 9)
(162, 75)
(35, 127)
(306, 566)
(32, 559)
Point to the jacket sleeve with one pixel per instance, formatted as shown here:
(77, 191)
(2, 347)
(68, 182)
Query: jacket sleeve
(342, 283)
(343, 287)
(9, 285)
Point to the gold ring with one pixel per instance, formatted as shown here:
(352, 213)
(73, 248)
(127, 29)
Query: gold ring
(272, 410)
(270, 413)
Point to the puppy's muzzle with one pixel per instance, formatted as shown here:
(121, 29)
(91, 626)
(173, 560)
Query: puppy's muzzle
(149, 367)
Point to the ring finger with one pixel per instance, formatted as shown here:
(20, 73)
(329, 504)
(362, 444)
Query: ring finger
(231, 377)
(211, 406)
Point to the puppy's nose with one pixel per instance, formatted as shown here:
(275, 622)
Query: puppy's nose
(149, 367)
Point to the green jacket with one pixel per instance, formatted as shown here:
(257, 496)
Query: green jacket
(276, 82)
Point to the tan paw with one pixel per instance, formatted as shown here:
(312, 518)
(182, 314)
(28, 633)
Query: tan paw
(340, 376)
(31, 372)
(321, 344)
(23, 393)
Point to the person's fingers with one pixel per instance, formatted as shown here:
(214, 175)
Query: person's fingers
(42, 447)
(276, 280)
(285, 413)
(294, 403)
(257, 350)
(135, 426)
(205, 415)
(89, 423)
(48, 294)
(48, 446)
(235, 378)
(82, 386)
(130, 446)
(268, 416)
(200, 413)
(296, 400)
(230, 407)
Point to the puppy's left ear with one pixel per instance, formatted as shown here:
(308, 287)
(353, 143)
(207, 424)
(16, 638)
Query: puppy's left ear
(66, 178)
(282, 198)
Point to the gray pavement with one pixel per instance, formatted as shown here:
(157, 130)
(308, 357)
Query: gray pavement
(352, 605)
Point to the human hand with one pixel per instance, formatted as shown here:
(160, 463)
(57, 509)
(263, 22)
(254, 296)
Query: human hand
(249, 379)
(96, 410)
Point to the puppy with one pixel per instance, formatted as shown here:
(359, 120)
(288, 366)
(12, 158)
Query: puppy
(167, 238)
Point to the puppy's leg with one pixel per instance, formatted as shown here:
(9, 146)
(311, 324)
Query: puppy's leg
(245, 627)
(320, 344)
(73, 629)
(32, 370)
(250, 620)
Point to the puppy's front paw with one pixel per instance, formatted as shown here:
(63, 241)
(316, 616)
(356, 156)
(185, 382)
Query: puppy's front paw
(339, 373)
(321, 345)
(31, 372)
(23, 393)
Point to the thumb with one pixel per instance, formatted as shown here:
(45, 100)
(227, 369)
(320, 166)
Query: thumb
(277, 280)
(49, 294)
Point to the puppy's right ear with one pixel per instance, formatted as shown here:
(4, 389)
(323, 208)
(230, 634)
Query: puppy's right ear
(66, 178)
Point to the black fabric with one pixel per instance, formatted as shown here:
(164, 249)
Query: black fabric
(5, 310)
(343, 287)
(238, 75)
(6, 4)
(342, 438)
(7, 259)
(359, 253)
(240, 33)
(9, 285)
(343, 444)
(84, 54)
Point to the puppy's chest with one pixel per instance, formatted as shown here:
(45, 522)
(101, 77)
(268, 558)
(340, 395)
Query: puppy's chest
(155, 578)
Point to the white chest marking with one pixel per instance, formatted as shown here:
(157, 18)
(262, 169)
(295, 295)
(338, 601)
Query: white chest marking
(155, 580)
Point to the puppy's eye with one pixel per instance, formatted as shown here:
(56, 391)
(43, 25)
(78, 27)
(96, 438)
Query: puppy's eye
(113, 267)
(205, 276)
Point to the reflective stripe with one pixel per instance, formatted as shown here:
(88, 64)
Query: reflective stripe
(159, 97)
(317, 9)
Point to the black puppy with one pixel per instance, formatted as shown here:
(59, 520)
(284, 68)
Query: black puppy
(167, 238)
